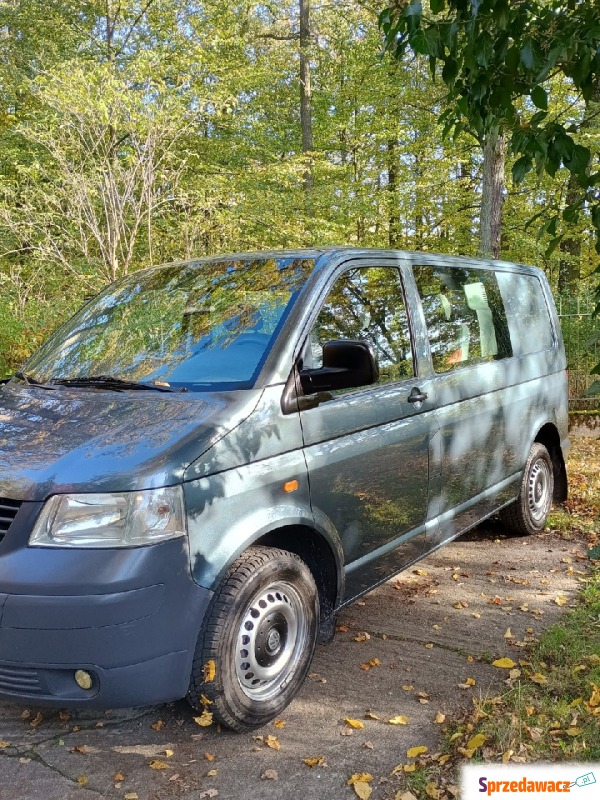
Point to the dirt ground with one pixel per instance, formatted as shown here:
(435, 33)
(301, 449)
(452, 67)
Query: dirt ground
(424, 633)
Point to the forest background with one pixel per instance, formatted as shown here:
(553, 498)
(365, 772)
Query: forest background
(134, 132)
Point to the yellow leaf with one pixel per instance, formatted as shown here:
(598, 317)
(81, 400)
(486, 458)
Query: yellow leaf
(443, 759)
(82, 780)
(362, 637)
(131, 796)
(595, 698)
(156, 763)
(413, 752)
(374, 662)
(409, 767)
(279, 723)
(504, 663)
(404, 796)
(371, 715)
(209, 671)
(363, 790)
(439, 718)
(476, 741)
(429, 646)
(204, 700)
(432, 791)
(420, 571)
(209, 756)
(509, 634)
(360, 777)
(561, 600)
(539, 678)
(158, 725)
(398, 720)
(354, 723)
(514, 674)
(573, 731)
(169, 753)
(118, 777)
(476, 614)
(507, 755)
(317, 761)
(272, 742)
(204, 720)
(212, 773)
(407, 687)
(4, 744)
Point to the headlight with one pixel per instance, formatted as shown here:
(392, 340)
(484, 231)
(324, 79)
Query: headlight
(121, 519)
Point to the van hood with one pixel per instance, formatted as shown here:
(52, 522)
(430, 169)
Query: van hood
(83, 440)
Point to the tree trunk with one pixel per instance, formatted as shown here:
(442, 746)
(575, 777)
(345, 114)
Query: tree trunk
(392, 185)
(490, 224)
(306, 92)
(569, 268)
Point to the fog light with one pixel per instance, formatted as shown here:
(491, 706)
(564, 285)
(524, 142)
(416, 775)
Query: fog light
(83, 679)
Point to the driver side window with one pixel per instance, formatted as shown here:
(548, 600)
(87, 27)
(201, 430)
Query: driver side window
(366, 303)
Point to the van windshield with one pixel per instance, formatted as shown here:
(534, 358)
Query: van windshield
(200, 326)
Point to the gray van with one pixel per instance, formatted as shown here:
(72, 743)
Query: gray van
(211, 458)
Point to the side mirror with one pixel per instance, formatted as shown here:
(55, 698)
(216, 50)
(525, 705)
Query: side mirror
(347, 364)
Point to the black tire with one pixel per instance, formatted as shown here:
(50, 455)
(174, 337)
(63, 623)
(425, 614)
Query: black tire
(529, 513)
(257, 639)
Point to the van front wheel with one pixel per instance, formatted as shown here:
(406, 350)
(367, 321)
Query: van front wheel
(529, 513)
(257, 640)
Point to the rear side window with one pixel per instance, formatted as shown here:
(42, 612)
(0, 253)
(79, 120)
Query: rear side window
(465, 316)
(527, 312)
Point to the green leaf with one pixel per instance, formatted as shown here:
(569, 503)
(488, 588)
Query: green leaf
(540, 98)
(450, 71)
(520, 168)
(552, 246)
(579, 160)
(437, 6)
(531, 55)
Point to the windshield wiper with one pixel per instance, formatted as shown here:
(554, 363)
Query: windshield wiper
(110, 382)
(31, 381)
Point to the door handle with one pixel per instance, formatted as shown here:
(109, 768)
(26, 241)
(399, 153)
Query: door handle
(417, 396)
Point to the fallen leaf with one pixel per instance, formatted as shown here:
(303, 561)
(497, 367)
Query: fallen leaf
(209, 670)
(363, 790)
(36, 720)
(130, 796)
(317, 761)
(371, 715)
(476, 614)
(269, 775)
(342, 628)
(504, 663)
(439, 718)
(561, 600)
(539, 678)
(209, 793)
(409, 768)
(272, 742)
(429, 646)
(476, 741)
(407, 687)
(420, 572)
(442, 759)
(509, 634)
(156, 763)
(204, 720)
(24, 760)
(363, 636)
(413, 752)
(398, 720)
(83, 780)
(212, 773)
(354, 723)
(360, 777)
(209, 756)
(4, 744)
(158, 725)
(404, 796)
(368, 745)
(169, 753)
(461, 604)
(374, 662)
(573, 731)
(432, 791)
(279, 723)
(118, 777)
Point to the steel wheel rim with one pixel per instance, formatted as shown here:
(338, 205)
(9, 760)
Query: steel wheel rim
(271, 640)
(538, 490)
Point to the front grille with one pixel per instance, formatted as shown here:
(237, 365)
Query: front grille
(8, 511)
(19, 680)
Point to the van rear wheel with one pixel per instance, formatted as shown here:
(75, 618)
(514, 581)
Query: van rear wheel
(529, 513)
(257, 640)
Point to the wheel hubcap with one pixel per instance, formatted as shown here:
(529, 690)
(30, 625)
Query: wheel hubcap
(538, 495)
(271, 639)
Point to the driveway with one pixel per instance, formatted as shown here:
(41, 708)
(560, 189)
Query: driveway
(402, 652)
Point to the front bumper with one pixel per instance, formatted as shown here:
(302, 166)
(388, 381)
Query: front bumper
(129, 617)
